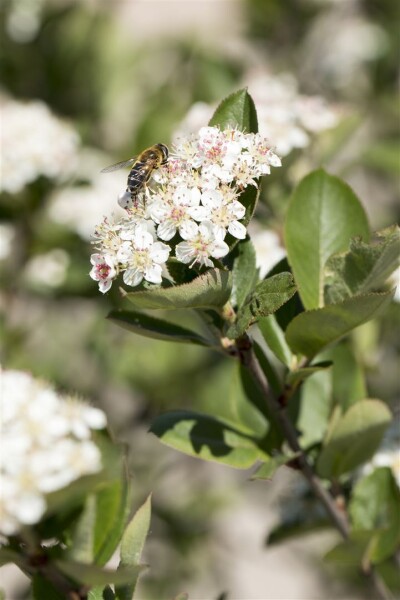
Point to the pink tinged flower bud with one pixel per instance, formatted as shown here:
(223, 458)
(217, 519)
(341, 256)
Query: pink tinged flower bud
(103, 271)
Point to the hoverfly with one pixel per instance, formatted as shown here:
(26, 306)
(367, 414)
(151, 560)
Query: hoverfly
(143, 166)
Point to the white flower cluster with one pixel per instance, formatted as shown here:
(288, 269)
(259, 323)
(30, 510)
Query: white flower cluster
(195, 202)
(46, 444)
(33, 142)
(285, 117)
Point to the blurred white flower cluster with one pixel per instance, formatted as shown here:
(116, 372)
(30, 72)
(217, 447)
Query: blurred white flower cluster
(46, 444)
(196, 198)
(23, 20)
(33, 142)
(340, 43)
(268, 248)
(78, 207)
(285, 117)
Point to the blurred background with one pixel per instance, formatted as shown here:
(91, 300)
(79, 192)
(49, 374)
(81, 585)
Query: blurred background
(88, 83)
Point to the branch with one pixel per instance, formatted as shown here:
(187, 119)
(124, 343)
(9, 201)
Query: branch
(278, 409)
(249, 360)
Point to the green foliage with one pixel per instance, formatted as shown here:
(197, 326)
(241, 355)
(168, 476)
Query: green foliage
(363, 268)
(267, 296)
(336, 271)
(311, 331)
(210, 290)
(236, 111)
(158, 329)
(244, 272)
(275, 338)
(268, 468)
(348, 378)
(374, 507)
(97, 532)
(354, 438)
(93, 575)
(315, 407)
(294, 378)
(208, 438)
(323, 215)
(132, 544)
(100, 593)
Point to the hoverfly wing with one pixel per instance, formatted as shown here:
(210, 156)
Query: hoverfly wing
(118, 165)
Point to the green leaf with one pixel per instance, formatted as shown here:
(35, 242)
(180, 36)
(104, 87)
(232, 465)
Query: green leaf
(249, 414)
(347, 375)
(274, 380)
(158, 329)
(275, 338)
(363, 268)
(210, 290)
(351, 552)
(180, 272)
(313, 330)
(323, 215)
(273, 436)
(294, 378)
(374, 506)
(296, 528)
(97, 532)
(236, 111)
(94, 575)
(294, 306)
(8, 556)
(238, 410)
(388, 571)
(100, 593)
(354, 439)
(113, 503)
(268, 469)
(207, 438)
(269, 295)
(132, 545)
(315, 407)
(244, 272)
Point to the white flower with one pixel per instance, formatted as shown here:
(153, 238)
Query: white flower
(201, 243)
(222, 214)
(103, 271)
(46, 444)
(194, 196)
(174, 212)
(143, 257)
(33, 143)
